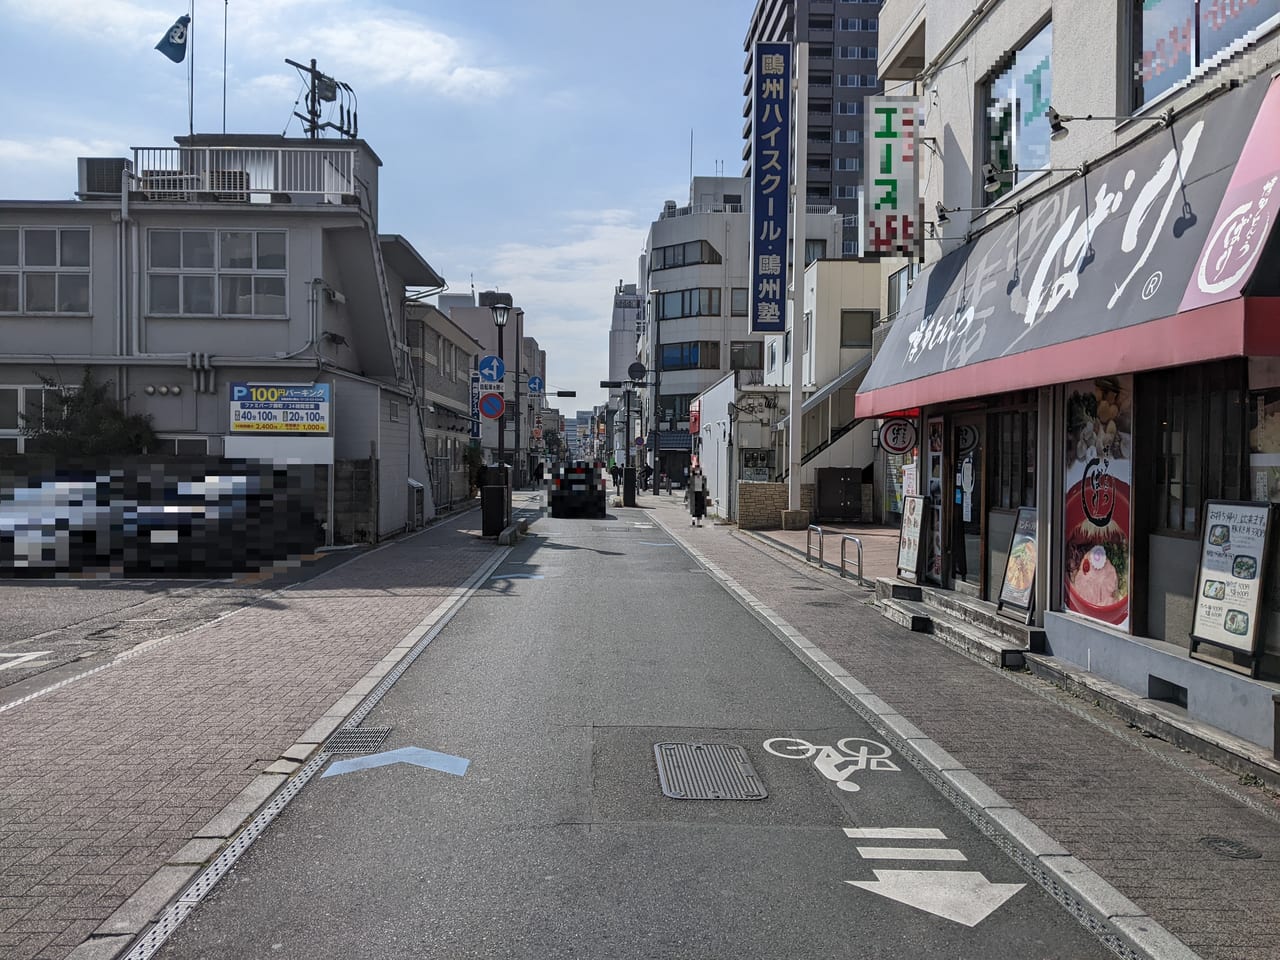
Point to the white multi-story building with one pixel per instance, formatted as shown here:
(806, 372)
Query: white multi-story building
(696, 274)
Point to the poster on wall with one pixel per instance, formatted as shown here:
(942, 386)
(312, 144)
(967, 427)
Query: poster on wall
(913, 527)
(1097, 518)
(1017, 587)
(933, 570)
(1229, 581)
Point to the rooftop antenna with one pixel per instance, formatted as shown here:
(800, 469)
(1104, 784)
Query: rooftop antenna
(324, 89)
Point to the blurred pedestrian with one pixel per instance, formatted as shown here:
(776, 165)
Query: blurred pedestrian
(697, 497)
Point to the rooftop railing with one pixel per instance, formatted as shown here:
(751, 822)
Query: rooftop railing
(246, 174)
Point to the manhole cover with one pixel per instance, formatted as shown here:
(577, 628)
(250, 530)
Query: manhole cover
(707, 771)
(1232, 849)
(356, 740)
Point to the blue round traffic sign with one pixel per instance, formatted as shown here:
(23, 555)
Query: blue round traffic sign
(492, 405)
(492, 369)
(535, 384)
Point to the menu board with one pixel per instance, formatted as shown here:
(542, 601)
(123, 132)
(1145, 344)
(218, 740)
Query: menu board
(1229, 582)
(1018, 586)
(909, 538)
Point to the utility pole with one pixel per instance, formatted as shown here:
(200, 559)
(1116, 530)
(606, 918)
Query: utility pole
(795, 432)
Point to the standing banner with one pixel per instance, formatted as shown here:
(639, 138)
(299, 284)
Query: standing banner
(1017, 586)
(891, 222)
(1097, 518)
(770, 185)
(475, 404)
(913, 526)
(1229, 582)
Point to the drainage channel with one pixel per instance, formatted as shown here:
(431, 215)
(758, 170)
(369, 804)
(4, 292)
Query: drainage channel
(349, 738)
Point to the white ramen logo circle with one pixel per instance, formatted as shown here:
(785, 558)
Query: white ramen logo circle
(1152, 285)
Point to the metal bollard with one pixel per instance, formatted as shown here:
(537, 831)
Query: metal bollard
(844, 543)
(808, 542)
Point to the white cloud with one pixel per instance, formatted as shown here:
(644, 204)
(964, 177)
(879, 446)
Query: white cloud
(565, 286)
(44, 168)
(376, 45)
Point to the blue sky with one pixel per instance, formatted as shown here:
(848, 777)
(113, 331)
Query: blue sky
(527, 143)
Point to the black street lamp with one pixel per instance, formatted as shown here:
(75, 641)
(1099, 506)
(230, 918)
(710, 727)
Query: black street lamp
(500, 312)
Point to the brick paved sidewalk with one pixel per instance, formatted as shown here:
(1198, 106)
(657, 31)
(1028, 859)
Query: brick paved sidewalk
(1136, 810)
(106, 779)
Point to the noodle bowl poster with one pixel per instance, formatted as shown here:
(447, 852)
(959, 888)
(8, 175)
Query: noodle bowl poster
(1096, 505)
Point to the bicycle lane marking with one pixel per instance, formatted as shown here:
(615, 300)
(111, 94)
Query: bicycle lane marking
(1116, 920)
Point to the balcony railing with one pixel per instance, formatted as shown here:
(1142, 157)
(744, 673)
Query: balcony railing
(247, 174)
(688, 210)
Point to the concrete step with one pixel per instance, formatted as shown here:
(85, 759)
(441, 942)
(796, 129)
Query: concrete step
(911, 614)
(984, 617)
(978, 643)
(890, 588)
(969, 639)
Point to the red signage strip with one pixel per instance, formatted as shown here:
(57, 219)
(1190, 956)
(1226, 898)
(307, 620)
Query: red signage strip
(1209, 333)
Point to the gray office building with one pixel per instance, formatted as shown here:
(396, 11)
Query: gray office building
(842, 72)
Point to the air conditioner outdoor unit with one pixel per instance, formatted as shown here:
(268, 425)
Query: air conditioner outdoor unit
(100, 177)
(229, 184)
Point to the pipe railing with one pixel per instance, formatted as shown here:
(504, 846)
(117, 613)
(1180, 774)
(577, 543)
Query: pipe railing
(808, 543)
(844, 543)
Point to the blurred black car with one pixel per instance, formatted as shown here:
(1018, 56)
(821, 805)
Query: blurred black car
(579, 489)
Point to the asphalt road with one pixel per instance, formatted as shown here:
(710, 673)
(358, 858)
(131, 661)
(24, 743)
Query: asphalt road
(593, 642)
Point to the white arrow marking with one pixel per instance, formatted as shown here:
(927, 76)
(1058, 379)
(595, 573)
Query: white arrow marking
(964, 896)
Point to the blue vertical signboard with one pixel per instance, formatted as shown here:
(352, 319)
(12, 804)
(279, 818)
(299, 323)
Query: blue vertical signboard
(475, 404)
(770, 184)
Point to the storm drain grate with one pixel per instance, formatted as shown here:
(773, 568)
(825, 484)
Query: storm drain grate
(356, 740)
(707, 771)
(1232, 849)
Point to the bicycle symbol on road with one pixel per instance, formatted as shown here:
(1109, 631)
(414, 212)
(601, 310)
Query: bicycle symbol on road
(839, 763)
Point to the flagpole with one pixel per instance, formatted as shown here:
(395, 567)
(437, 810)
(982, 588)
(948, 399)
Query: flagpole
(225, 5)
(191, 71)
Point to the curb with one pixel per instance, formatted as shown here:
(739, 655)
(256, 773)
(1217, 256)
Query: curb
(1116, 920)
(141, 925)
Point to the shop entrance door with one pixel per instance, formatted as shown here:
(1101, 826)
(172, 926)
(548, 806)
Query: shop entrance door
(967, 513)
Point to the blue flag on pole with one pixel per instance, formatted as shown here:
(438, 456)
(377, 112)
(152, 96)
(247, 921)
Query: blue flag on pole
(174, 44)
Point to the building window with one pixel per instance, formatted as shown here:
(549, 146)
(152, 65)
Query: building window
(1013, 478)
(1173, 39)
(773, 355)
(1197, 444)
(849, 136)
(851, 108)
(850, 248)
(855, 328)
(853, 164)
(693, 355)
(217, 273)
(846, 192)
(1016, 100)
(738, 300)
(698, 302)
(195, 447)
(820, 23)
(684, 254)
(814, 250)
(393, 411)
(25, 407)
(44, 270)
(899, 284)
(746, 355)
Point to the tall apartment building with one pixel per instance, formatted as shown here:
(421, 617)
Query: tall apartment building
(842, 73)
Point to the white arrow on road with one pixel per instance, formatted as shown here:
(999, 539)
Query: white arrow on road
(964, 896)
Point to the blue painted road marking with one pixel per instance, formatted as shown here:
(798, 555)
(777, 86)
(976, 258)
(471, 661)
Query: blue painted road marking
(415, 755)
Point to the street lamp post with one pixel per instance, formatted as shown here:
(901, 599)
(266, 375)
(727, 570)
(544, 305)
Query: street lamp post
(500, 311)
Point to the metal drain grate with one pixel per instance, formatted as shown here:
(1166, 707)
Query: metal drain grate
(356, 740)
(1231, 849)
(707, 771)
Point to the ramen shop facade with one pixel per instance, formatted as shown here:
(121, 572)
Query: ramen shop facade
(1108, 354)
